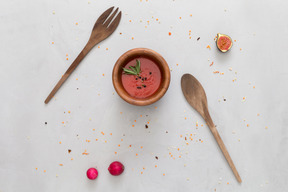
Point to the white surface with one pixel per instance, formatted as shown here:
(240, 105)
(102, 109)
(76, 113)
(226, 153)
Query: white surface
(31, 65)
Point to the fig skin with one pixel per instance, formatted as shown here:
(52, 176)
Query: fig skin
(223, 42)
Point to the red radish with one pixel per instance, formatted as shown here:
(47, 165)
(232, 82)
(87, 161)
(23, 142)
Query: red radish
(116, 168)
(92, 173)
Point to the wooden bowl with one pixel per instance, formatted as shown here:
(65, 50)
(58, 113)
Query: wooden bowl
(130, 55)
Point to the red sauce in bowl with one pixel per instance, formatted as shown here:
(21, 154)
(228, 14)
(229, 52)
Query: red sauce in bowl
(148, 81)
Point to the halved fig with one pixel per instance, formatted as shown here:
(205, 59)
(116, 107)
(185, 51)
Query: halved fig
(224, 42)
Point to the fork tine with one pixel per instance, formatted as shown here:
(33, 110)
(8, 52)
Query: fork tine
(115, 23)
(104, 16)
(110, 18)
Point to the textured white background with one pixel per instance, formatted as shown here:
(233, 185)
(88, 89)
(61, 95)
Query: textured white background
(31, 65)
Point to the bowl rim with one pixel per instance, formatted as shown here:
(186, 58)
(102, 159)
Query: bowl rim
(164, 70)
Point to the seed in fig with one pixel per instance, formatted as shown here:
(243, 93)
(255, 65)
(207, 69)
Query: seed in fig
(223, 42)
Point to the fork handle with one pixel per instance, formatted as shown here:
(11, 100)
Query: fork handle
(73, 66)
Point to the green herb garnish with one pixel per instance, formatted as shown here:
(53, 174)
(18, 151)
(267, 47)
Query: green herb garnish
(134, 70)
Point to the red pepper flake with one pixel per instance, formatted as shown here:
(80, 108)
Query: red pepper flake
(69, 150)
(211, 64)
(115, 153)
(208, 47)
(36, 168)
(216, 72)
(44, 171)
(52, 43)
(60, 164)
(85, 153)
(102, 133)
(169, 33)
(110, 133)
(136, 154)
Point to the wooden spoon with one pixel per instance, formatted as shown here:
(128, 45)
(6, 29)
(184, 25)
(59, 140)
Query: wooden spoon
(196, 97)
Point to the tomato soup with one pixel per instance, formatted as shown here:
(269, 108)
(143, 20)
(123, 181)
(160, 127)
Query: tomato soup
(146, 83)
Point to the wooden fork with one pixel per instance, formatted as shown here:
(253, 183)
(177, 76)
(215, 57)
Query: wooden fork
(102, 29)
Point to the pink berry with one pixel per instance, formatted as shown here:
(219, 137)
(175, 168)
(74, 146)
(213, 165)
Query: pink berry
(116, 168)
(92, 173)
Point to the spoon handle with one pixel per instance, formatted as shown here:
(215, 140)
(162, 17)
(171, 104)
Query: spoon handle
(222, 147)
